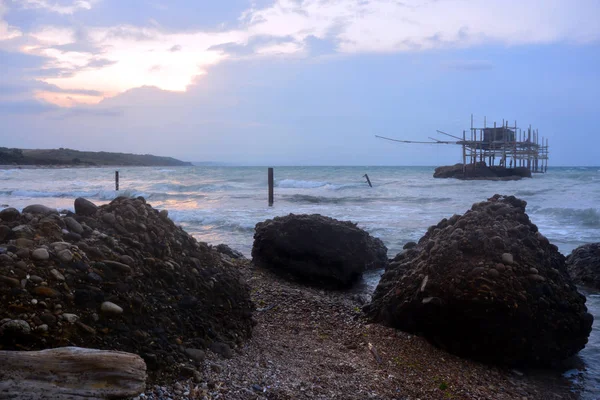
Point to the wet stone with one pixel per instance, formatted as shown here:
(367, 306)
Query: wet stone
(40, 254)
(65, 256)
(44, 291)
(507, 258)
(23, 242)
(48, 318)
(9, 214)
(73, 225)
(11, 282)
(57, 275)
(70, 318)
(4, 232)
(110, 308)
(222, 349)
(15, 327)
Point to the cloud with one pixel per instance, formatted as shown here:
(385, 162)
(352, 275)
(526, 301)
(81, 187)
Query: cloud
(54, 36)
(113, 59)
(7, 32)
(469, 65)
(136, 57)
(414, 25)
(64, 7)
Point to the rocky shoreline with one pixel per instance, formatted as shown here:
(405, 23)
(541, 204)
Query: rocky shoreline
(314, 344)
(211, 324)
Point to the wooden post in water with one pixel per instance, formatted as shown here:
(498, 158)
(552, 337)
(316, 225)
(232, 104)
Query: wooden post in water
(464, 154)
(368, 180)
(270, 187)
(116, 180)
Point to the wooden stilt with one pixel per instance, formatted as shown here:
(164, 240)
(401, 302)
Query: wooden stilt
(270, 187)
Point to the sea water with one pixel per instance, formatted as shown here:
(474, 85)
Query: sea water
(223, 204)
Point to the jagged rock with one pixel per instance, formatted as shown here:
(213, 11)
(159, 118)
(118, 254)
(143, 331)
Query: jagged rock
(583, 265)
(317, 249)
(175, 292)
(85, 207)
(455, 289)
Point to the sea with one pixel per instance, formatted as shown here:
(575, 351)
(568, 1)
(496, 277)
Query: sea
(218, 204)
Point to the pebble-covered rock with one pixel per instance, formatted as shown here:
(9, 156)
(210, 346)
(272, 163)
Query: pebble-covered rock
(486, 285)
(137, 283)
(584, 265)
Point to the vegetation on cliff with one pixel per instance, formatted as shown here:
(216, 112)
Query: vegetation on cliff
(64, 156)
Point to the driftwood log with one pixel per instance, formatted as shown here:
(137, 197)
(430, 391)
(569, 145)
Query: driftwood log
(70, 373)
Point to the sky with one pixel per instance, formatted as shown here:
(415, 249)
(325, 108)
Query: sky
(297, 82)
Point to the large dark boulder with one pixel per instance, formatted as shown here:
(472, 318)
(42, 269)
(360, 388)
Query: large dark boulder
(583, 265)
(132, 281)
(486, 285)
(317, 249)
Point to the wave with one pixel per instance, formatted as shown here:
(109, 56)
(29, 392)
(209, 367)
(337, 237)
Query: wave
(305, 198)
(533, 192)
(297, 184)
(300, 184)
(589, 217)
(198, 187)
(210, 221)
(100, 194)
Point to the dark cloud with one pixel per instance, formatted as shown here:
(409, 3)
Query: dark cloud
(175, 48)
(26, 107)
(99, 63)
(30, 86)
(255, 42)
(89, 112)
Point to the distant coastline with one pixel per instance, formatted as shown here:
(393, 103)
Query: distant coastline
(68, 158)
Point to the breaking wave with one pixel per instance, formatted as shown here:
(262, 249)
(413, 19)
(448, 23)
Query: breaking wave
(589, 217)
